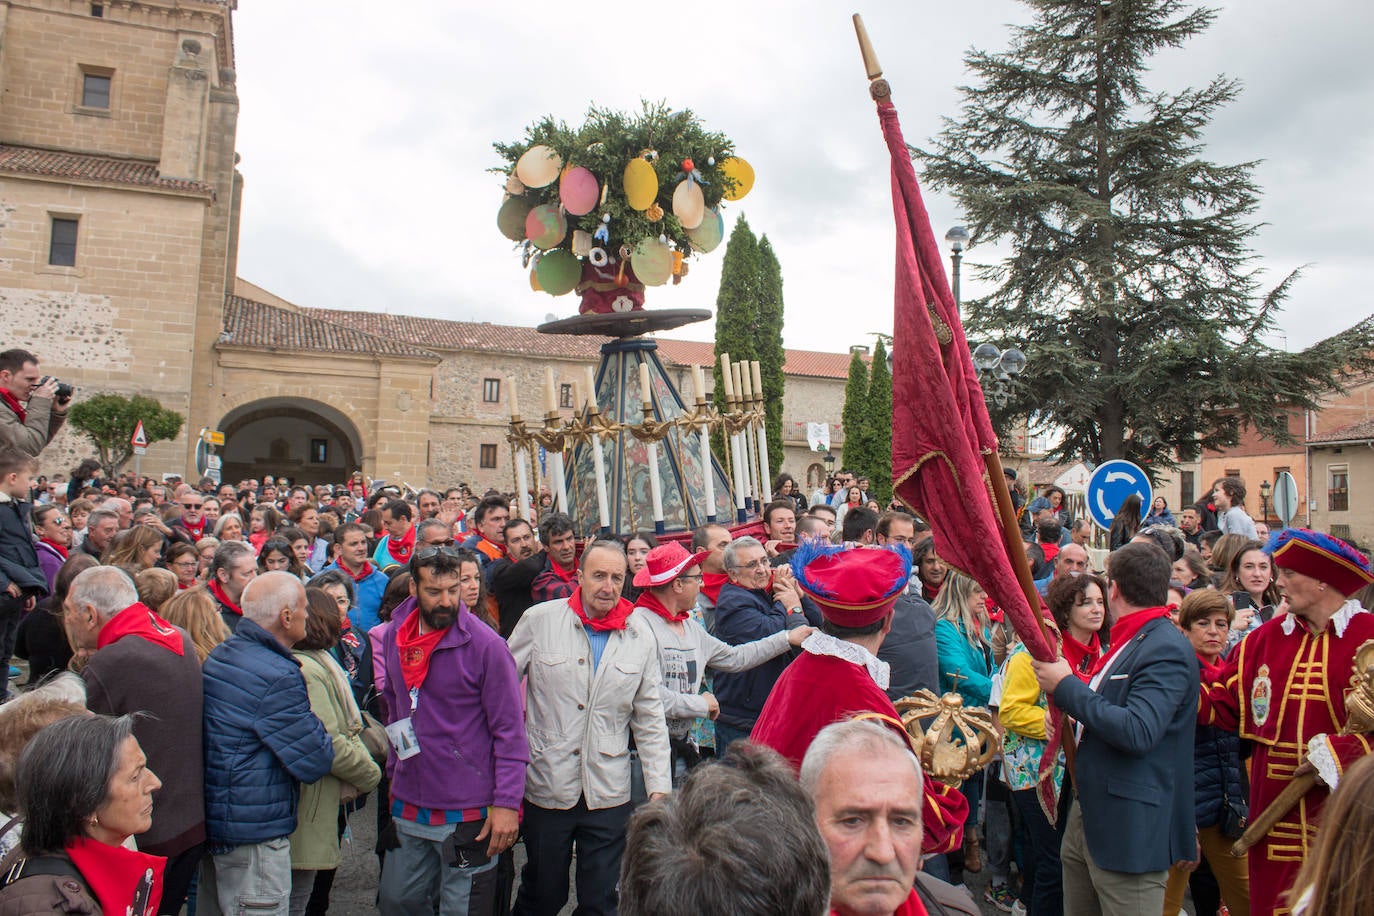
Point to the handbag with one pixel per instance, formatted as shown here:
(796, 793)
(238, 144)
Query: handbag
(374, 737)
(1235, 812)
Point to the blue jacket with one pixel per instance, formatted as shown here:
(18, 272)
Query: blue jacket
(1217, 774)
(744, 615)
(964, 668)
(367, 597)
(1136, 748)
(261, 739)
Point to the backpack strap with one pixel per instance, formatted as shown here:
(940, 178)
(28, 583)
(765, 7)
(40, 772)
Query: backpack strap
(57, 866)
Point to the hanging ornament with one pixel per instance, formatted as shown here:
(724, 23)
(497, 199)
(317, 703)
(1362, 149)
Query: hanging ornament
(546, 226)
(514, 185)
(688, 204)
(558, 272)
(641, 184)
(578, 191)
(708, 235)
(710, 161)
(534, 279)
(510, 219)
(581, 243)
(525, 251)
(677, 263)
(653, 262)
(539, 166)
(743, 175)
(654, 213)
(598, 257)
(603, 232)
(622, 304)
(688, 166)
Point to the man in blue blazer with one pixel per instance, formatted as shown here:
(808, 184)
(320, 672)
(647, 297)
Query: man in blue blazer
(1132, 817)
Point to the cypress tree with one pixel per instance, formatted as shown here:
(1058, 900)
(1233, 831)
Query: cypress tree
(737, 309)
(1131, 284)
(770, 350)
(879, 411)
(854, 418)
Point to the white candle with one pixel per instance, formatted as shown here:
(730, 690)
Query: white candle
(644, 386)
(699, 383)
(591, 389)
(560, 482)
(725, 378)
(522, 483)
(757, 378)
(514, 398)
(736, 390)
(550, 399)
(655, 485)
(708, 490)
(746, 390)
(603, 505)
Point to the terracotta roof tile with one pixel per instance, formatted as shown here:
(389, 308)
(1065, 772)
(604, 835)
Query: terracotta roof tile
(49, 163)
(443, 334)
(260, 326)
(1353, 432)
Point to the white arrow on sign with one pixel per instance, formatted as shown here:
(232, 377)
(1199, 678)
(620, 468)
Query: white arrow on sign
(1118, 475)
(1108, 514)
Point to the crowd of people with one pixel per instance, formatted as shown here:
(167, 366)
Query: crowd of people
(221, 678)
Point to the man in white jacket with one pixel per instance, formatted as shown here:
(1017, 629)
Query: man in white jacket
(671, 580)
(592, 664)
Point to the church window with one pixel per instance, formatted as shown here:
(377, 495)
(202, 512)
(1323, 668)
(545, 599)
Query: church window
(95, 90)
(62, 242)
(487, 457)
(491, 391)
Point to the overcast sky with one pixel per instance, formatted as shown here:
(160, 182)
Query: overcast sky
(365, 131)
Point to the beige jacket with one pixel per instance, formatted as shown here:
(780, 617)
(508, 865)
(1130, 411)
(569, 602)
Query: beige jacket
(32, 435)
(579, 721)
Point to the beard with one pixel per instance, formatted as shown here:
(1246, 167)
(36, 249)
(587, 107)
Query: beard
(439, 617)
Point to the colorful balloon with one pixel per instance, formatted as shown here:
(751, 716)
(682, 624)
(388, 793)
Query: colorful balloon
(708, 235)
(688, 204)
(641, 183)
(743, 174)
(510, 219)
(652, 261)
(578, 190)
(539, 166)
(546, 226)
(558, 272)
(534, 279)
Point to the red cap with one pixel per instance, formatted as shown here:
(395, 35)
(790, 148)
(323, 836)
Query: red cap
(855, 587)
(1322, 557)
(665, 563)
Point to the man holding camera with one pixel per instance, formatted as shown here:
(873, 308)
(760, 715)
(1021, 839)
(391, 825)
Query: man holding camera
(29, 428)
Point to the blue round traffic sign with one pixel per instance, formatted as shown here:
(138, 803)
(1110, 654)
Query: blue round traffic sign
(1109, 486)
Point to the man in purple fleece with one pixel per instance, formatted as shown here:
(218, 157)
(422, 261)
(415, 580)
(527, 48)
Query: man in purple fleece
(458, 746)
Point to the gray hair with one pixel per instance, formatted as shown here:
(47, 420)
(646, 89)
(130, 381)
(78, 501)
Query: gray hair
(850, 735)
(63, 777)
(99, 515)
(601, 544)
(106, 588)
(269, 594)
(738, 544)
(226, 554)
(427, 524)
(334, 577)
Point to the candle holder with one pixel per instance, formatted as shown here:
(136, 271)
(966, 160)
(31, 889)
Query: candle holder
(552, 435)
(960, 740)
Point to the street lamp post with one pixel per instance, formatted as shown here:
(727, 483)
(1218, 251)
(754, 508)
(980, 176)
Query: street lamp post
(957, 237)
(996, 369)
(1265, 487)
(829, 462)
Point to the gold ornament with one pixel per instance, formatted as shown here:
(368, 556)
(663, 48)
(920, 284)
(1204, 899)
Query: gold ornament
(960, 741)
(654, 213)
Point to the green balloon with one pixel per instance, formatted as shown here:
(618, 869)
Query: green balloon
(558, 272)
(510, 219)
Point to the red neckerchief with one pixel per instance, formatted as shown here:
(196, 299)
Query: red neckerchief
(615, 620)
(911, 906)
(195, 531)
(1081, 656)
(55, 546)
(400, 550)
(1124, 630)
(361, 574)
(711, 584)
(122, 880)
(415, 649)
(216, 590)
(257, 539)
(928, 591)
(649, 601)
(1050, 550)
(140, 620)
(15, 406)
(565, 574)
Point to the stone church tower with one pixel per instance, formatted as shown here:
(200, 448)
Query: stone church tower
(119, 199)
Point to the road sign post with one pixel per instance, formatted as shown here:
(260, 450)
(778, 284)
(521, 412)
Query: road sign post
(1111, 483)
(1285, 498)
(139, 440)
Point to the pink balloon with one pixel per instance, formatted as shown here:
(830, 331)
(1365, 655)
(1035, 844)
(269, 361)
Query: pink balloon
(579, 191)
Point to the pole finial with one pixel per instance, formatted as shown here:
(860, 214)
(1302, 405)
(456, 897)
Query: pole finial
(878, 87)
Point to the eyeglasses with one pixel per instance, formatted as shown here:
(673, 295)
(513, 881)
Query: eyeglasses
(447, 543)
(760, 563)
(689, 577)
(191, 505)
(429, 553)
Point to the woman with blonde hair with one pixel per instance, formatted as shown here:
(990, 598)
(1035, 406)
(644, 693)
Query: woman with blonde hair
(195, 612)
(139, 547)
(205, 552)
(155, 585)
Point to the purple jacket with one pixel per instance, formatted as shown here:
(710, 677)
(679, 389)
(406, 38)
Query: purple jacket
(50, 561)
(468, 718)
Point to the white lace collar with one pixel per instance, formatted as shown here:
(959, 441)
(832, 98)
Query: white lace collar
(819, 643)
(1339, 622)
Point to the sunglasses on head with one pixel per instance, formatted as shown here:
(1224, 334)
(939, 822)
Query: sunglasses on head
(427, 553)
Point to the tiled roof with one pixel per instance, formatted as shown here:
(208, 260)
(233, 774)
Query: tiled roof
(444, 334)
(49, 163)
(1354, 432)
(260, 326)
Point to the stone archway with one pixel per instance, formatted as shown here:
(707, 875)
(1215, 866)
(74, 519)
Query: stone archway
(303, 440)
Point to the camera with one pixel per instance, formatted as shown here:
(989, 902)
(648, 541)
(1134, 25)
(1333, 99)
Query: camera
(64, 391)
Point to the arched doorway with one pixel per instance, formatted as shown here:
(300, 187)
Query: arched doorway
(304, 441)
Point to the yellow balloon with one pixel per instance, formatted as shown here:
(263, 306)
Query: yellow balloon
(641, 184)
(534, 279)
(652, 261)
(743, 174)
(539, 166)
(688, 204)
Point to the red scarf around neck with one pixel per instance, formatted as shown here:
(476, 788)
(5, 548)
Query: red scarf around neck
(361, 574)
(649, 601)
(55, 546)
(711, 584)
(14, 404)
(615, 620)
(215, 589)
(122, 880)
(566, 575)
(1124, 629)
(140, 620)
(1049, 550)
(1081, 656)
(416, 649)
(401, 550)
(196, 530)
